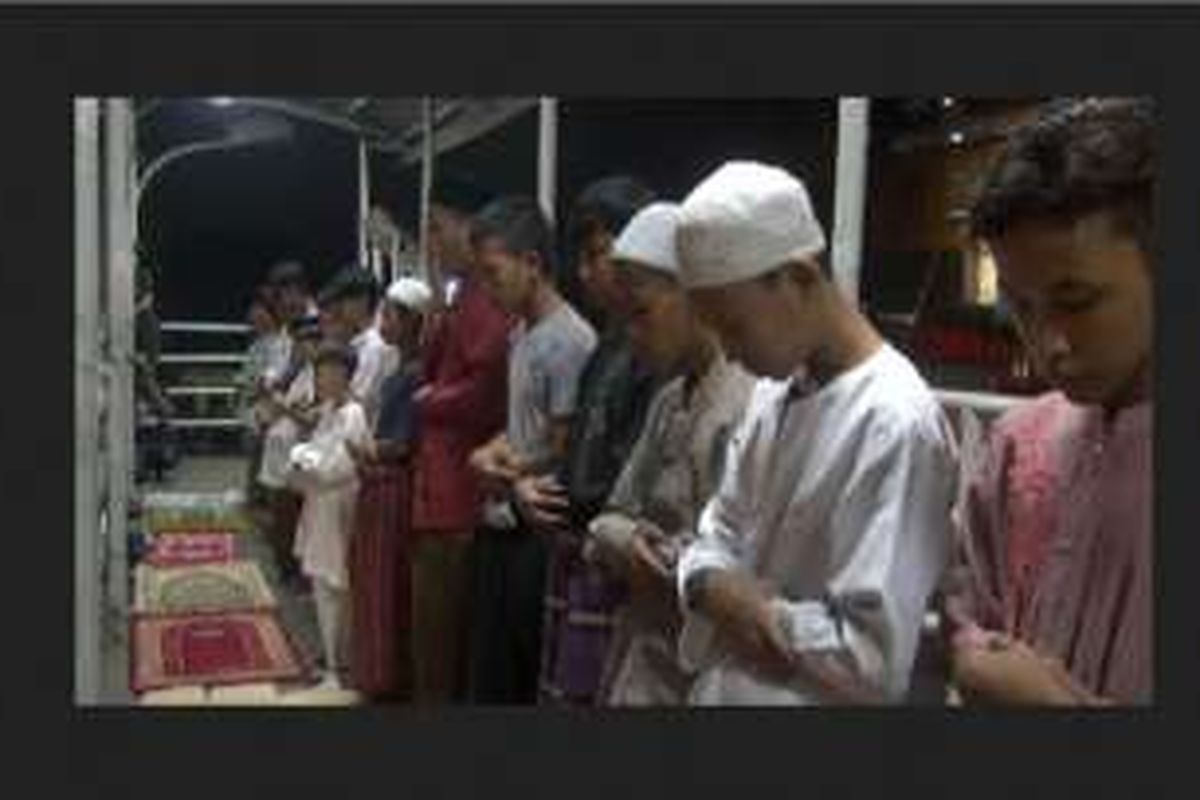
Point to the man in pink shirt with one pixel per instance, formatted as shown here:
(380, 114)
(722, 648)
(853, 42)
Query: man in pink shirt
(1051, 598)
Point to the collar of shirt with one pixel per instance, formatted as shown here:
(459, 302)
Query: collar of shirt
(362, 337)
(800, 386)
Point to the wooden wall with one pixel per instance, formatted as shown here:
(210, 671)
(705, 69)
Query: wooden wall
(915, 193)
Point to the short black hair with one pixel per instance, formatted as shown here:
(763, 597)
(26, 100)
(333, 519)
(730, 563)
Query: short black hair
(350, 282)
(264, 297)
(520, 224)
(287, 274)
(306, 327)
(337, 353)
(1078, 159)
(607, 204)
(360, 282)
(328, 294)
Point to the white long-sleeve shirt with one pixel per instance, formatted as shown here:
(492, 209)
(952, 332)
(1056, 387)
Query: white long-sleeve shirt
(376, 361)
(840, 501)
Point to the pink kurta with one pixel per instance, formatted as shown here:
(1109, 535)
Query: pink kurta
(1056, 541)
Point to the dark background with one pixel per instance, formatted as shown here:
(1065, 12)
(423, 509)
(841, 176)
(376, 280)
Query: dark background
(213, 222)
(49, 55)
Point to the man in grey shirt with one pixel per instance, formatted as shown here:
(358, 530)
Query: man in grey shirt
(513, 244)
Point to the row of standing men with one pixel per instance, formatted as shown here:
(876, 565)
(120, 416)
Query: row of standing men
(716, 483)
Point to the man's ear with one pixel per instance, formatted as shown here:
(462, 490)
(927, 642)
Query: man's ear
(533, 259)
(806, 272)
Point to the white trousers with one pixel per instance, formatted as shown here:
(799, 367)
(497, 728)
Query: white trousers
(332, 617)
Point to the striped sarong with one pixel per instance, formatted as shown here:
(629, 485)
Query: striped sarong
(379, 583)
(580, 604)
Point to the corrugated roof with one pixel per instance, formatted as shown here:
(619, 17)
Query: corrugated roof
(394, 124)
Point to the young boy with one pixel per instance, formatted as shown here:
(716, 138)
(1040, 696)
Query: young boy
(266, 359)
(817, 556)
(379, 552)
(353, 295)
(1052, 596)
(514, 247)
(324, 471)
(288, 416)
(674, 467)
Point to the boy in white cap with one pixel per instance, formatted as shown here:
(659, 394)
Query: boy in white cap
(378, 563)
(817, 556)
(673, 468)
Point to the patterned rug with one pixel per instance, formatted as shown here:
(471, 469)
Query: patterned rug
(191, 549)
(240, 647)
(244, 694)
(234, 586)
(170, 512)
(177, 696)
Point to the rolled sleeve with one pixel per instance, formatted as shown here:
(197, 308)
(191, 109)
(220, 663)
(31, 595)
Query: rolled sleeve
(718, 547)
(893, 530)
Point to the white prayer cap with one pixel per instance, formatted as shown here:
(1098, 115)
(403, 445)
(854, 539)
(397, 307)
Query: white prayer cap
(411, 293)
(649, 238)
(743, 221)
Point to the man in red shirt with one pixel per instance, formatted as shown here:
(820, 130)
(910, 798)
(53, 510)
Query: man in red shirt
(460, 407)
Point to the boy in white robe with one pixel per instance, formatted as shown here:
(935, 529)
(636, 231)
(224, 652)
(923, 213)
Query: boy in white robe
(818, 555)
(323, 469)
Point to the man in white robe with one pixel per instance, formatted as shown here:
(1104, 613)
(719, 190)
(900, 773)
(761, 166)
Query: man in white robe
(815, 560)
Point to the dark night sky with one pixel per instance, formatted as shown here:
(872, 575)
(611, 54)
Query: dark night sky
(215, 221)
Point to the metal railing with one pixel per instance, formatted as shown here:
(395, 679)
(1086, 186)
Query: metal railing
(202, 358)
(201, 391)
(224, 359)
(204, 327)
(985, 403)
(208, 423)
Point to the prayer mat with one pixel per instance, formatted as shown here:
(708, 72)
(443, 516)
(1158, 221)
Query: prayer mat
(320, 696)
(244, 694)
(208, 649)
(233, 586)
(173, 512)
(191, 549)
(178, 696)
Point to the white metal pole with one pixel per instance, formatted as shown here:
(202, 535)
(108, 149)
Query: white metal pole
(364, 204)
(547, 153)
(427, 155)
(850, 193)
(119, 199)
(88, 591)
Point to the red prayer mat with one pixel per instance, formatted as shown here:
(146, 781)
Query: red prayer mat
(188, 549)
(237, 647)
